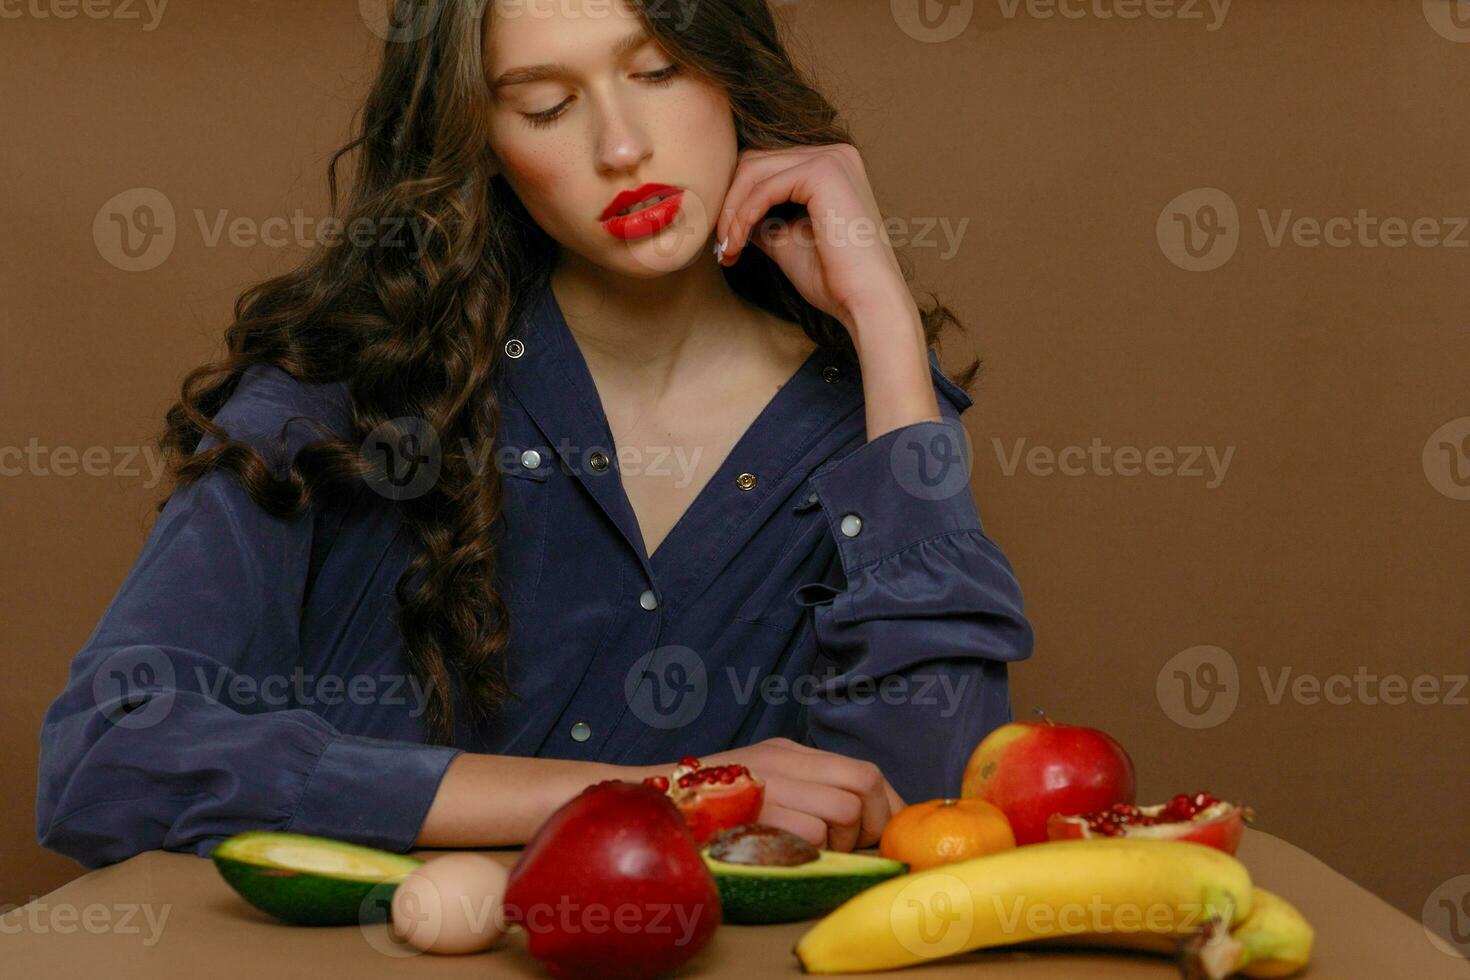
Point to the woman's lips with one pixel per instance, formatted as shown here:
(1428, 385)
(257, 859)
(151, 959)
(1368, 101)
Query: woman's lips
(647, 221)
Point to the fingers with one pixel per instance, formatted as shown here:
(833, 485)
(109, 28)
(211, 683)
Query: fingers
(839, 810)
(863, 780)
(811, 829)
(849, 797)
(753, 166)
(895, 802)
(770, 181)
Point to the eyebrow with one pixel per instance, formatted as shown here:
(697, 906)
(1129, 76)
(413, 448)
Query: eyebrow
(536, 73)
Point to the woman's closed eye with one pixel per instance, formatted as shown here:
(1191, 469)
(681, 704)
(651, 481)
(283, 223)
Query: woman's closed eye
(664, 76)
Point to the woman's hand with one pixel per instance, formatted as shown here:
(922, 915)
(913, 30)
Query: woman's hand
(838, 257)
(837, 254)
(830, 800)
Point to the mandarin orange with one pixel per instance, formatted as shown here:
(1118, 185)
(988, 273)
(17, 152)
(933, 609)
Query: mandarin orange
(936, 832)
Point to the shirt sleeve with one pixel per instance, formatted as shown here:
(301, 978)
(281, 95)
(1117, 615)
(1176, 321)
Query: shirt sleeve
(919, 616)
(140, 751)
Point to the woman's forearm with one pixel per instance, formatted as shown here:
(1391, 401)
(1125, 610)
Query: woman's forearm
(491, 800)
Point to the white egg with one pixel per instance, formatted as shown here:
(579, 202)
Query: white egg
(452, 904)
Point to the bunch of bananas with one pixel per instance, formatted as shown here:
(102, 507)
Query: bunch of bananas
(1153, 895)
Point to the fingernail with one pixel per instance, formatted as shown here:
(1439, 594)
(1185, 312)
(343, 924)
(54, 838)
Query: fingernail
(720, 249)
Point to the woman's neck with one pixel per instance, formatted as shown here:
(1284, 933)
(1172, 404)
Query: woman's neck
(650, 331)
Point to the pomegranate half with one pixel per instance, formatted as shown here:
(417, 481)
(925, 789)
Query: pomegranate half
(712, 798)
(1198, 817)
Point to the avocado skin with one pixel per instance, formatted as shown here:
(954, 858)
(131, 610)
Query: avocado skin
(303, 899)
(307, 898)
(749, 898)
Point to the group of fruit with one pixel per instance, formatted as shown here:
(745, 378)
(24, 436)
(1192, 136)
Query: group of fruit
(1047, 823)
(631, 880)
(1033, 781)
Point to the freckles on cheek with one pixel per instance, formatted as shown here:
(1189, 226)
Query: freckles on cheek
(538, 173)
(539, 170)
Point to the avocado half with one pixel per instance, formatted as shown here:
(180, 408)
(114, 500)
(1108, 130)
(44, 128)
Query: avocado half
(753, 894)
(311, 881)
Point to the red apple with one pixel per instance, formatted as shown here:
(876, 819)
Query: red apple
(1033, 769)
(612, 885)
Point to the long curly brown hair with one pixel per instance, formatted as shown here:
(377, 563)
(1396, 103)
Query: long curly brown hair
(418, 333)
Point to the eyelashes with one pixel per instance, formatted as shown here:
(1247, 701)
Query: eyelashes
(540, 120)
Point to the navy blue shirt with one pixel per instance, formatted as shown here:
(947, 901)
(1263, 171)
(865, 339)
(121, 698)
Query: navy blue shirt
(249, 674)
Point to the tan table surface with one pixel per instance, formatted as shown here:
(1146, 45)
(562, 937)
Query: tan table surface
(86, 929)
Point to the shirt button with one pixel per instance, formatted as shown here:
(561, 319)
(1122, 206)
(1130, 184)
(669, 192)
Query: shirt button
(581, 732)
(745, 481)
(598, 461)
(530, 459)
(514, 348)
(830, 374)
(851, 525)
(648, 600)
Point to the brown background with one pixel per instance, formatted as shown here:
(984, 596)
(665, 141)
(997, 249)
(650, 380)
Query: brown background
(1325, 549)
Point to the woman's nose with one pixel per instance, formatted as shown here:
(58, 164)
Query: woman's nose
(622, 139)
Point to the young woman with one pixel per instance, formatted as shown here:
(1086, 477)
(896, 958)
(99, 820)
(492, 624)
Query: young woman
(545, 492)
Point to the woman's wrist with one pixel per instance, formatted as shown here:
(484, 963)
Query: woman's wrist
(893, 355)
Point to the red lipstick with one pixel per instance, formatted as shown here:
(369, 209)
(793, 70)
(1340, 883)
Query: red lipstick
(646, 220)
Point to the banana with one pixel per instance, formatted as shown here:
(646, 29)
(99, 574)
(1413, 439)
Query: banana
(1040, 891)
(1273, 941)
